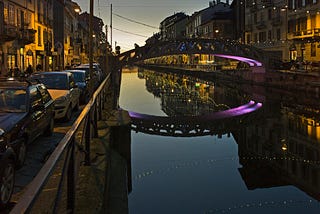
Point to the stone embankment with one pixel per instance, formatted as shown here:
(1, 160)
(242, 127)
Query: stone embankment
(298, 80)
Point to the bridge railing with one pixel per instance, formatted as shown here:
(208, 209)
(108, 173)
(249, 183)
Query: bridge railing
(55, 188)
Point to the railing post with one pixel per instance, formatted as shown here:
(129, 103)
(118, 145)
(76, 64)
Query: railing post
(87, 140)
(95, 120)
(71, 187)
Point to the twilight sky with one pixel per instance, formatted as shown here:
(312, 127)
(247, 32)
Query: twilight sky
(149, 12)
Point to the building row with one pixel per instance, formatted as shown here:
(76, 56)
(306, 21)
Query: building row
(45, 34)
(290, 29)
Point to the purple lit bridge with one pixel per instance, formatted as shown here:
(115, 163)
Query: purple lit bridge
(216, 123)
(256, 58)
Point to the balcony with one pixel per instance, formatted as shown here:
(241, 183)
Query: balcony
(276, 21)
(268, 3)
(27, 36)
(253, 8)
(10, 33)
(305, 34)
(261, 25)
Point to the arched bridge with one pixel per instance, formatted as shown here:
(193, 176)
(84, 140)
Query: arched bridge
(217, 47)
(221, 122)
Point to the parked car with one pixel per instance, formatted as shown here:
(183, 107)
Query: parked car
(26, 112)
(64, 91)
(97, 75)
(82, 78)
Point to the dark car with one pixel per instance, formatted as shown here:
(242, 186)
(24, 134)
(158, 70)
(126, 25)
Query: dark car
(81, 77)
(96, 74)
(26, 112)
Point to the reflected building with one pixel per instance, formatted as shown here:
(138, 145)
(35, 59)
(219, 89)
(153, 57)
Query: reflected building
(279, 146)
(277, 153)
(182, 95)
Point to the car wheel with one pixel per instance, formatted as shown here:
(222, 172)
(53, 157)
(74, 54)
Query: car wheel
(49, 129)
(6, 182)
(68, 115)
(21, 157)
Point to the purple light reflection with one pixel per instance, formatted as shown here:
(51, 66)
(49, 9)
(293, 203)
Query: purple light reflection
(237, 111)
(251, 62)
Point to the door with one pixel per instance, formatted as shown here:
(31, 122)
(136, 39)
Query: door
(37, 113)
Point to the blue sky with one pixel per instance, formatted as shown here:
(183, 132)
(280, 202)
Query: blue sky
(150, 12)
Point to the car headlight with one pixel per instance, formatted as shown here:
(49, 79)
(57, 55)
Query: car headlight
(61, 100)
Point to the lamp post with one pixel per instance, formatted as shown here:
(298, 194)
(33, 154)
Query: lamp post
(91, 89)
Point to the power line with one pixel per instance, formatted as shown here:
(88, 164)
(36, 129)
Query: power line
(131, 20)
(130, 33)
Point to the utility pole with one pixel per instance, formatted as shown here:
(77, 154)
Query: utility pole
(107, 50)
(111, 27)
(90, 48)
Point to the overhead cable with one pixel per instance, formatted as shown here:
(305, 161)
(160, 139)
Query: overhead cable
(131, 20)
(130, 33)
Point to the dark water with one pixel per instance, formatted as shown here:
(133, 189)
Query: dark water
(267, 161)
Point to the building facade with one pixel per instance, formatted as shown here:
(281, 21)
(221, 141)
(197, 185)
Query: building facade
(17, 35)
(214, 21)
(304, 30)
(173, 27)
(288, 28)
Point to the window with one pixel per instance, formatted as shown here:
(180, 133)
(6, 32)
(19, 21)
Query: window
(293, 4)
(313, 50)
(39, 36)
(262, 36)
(269, 14)
(1, 16)
(11, 15)
(278, 34)
(248, 38)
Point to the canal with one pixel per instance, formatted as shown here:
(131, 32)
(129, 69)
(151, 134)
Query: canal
(266, 160)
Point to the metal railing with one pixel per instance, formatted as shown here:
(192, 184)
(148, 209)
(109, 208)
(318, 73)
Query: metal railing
(54, 189)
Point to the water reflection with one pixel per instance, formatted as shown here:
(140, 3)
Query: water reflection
(276, 158)
(281, 150)
(220, 122)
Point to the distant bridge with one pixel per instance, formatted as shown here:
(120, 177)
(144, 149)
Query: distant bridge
(217, 47)
(221, 122)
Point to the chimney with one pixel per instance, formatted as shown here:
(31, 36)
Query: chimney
(227, 2)
(218, 1)
(210, 3)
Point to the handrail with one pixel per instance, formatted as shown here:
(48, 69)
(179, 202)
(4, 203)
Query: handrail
(34, 189)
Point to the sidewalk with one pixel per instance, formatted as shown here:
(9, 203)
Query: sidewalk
(103, 185)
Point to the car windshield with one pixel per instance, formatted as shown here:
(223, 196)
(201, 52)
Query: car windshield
(79, 76)
(53, 81)
(13, 100)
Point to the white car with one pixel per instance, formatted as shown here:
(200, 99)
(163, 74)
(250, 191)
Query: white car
(63, 90)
